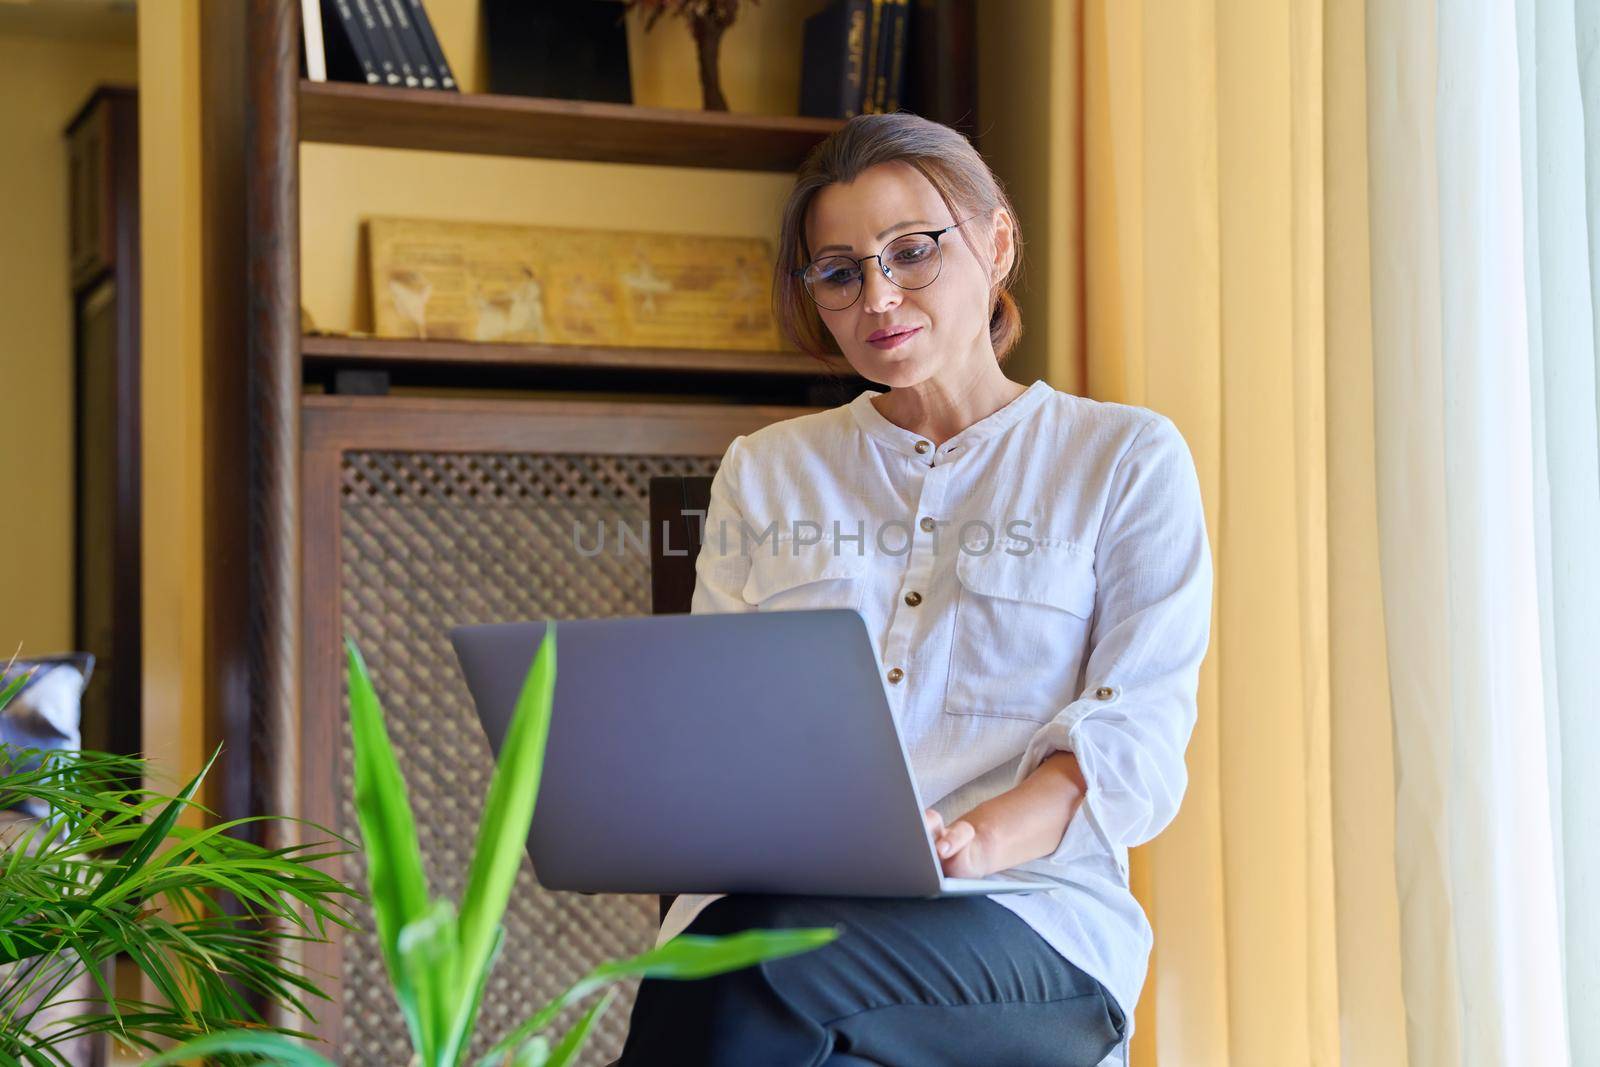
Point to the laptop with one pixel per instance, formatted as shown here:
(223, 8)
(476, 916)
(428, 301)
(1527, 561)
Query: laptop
(717, 753)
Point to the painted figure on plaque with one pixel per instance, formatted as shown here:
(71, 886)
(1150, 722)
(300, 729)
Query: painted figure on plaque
(409, 290)
(645, 284)
(519, 312)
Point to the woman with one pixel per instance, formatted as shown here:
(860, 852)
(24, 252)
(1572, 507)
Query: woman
(1034, 571)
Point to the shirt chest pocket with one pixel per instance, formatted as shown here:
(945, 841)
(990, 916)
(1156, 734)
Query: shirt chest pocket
(800, 576)
(1021, 630)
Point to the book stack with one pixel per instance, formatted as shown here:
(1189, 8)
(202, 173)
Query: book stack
(866, 56)
(378, 42)
(854, 59)
(566, 50)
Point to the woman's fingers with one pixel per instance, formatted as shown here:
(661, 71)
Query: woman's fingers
(957, 836)
(951, 843)
(965, 857)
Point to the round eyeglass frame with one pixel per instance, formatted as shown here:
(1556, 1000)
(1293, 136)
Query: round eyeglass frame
(799, 272)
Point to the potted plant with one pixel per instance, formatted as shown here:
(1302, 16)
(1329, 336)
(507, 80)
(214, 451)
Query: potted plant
(439, 955)
(109, 870)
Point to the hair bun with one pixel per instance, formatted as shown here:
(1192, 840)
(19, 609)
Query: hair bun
(1005, 325)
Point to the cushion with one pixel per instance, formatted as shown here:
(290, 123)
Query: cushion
(45, 714)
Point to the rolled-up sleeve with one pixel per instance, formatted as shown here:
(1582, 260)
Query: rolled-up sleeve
(722, 567)
(1152, 624)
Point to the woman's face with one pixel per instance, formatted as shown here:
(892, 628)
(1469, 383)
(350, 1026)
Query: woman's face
(950, 316)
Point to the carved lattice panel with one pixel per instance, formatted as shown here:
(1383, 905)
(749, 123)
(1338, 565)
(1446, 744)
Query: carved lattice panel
(431, 541)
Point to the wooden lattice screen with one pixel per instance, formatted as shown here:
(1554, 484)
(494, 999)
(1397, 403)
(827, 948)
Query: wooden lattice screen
(492, 514)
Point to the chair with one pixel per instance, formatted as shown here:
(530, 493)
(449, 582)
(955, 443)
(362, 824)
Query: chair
(677, 520)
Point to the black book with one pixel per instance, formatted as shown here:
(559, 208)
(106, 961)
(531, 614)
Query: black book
(870, 71)
(378, 41)
(349, 53)
(833, 60)
(879, 88)
(895, 92)
(430, 41)
(397, 48)
(940, 82)
(577, 50)
(411, 41)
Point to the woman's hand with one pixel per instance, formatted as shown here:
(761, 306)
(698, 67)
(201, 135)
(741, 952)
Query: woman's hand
(1019, 825)
(962, 850)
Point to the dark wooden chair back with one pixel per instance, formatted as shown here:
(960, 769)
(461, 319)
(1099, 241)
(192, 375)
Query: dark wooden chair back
(677, 519)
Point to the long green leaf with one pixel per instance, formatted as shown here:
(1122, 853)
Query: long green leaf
(429, 953)
(477, 995)
(150, 839)
(275, 1047)
(535, 1052)
(503, 832)
(574, 1039)
(398, 884)
(685, 957)
(690, 956)
(13, 688)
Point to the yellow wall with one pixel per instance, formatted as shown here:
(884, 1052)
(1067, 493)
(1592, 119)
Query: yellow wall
(1030, 135)
(43, 82)
(174, 567)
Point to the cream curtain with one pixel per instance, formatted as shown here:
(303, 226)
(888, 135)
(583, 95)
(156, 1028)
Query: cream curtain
(1485, 185)
(1221, 151)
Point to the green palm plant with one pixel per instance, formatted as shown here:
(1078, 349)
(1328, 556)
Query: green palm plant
(439, 957)
(111, 871)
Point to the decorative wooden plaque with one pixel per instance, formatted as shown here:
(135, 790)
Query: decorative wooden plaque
(478, 281)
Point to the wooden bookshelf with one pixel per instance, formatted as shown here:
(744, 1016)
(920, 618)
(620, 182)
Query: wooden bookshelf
(485, 124)
(389, 352)
(273, 515)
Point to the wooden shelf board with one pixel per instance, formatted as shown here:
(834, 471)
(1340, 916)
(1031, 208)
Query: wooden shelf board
(375, 351)
(348, 113)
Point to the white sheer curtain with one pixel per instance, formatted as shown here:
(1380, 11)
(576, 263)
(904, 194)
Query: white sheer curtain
(1484, 148)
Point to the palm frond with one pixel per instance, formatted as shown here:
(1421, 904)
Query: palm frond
(111, 872)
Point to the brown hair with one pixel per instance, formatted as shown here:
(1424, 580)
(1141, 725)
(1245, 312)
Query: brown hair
(952, 166)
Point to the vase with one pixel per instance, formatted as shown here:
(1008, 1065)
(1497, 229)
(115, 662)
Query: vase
(708, 33)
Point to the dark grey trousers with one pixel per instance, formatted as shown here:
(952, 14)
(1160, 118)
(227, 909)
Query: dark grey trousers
(960, 982)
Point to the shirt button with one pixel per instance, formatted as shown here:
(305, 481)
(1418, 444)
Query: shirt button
(895, 674)
(927, 523)
(1105, 692)
(913, 599)
(922, 447)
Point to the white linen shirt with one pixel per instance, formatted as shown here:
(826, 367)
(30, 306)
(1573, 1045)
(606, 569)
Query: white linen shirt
(1081, 628)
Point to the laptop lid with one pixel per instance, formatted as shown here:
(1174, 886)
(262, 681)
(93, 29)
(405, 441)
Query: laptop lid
(749, 752)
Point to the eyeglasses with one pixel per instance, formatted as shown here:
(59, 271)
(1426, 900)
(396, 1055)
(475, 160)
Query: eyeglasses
(910, 261)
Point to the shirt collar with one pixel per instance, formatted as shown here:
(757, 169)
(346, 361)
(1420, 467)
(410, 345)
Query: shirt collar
(871, 420)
